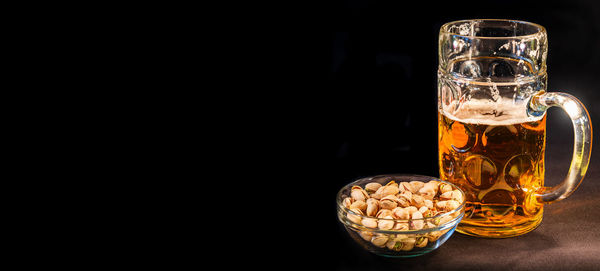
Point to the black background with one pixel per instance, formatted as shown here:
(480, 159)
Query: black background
(357, 97)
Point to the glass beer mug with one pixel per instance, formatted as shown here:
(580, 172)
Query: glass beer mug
(492, 103)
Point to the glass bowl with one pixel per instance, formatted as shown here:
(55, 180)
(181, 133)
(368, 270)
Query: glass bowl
(399, 243)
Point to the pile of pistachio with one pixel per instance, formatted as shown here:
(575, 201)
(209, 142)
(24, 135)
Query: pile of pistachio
(379, 206)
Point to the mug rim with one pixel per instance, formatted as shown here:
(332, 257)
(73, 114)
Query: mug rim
(540, 30)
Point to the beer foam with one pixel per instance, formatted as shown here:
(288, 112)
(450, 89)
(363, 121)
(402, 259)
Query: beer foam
(502, 112)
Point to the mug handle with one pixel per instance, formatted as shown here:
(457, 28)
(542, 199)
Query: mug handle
(582, 147)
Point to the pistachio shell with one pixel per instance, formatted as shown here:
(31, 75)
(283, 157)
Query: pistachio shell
(415, 186)
(372, 187)
(357, 193)
(432, 185)
(444, 219)
(388, 202)
(372, 207)
(421, 241)
(355, 217)
(433, 236)
(411, 209)
(403, 186)
(369, 222)
(403, 202)
(428, 204)
(347, 202)
(446, 195)
(451, 205)
(417, 201)
(441, 205)
(444, 187)
(359, 204)
(390, 188)
(406, 194)
(367, 235)
(386, 224)
(393, 245)
(379, 240)
(400, 213)
(372, 201)
(457, 196)
(401, 226)
(408, 244)
(418, 223)
(383, 213)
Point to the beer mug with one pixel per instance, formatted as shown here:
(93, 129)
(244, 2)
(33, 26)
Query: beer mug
(492, 103)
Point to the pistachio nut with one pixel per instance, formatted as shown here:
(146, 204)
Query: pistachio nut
(379, 240)
(376, 195)
(427, 192)
(417, 201)
(406, 194)
(428, 203)
(359, 204)
(436, 184)
(446, 195)
(372, 187)
(451, 205)
(390, 188)
(394, 245)
(444, 219)
(444, 187)
(425, 211)
(383, 213)
(433, 236)
(415, 186)
(403, 202)
(430, 186)
(401, 226)
(388, 202)
(355, 215)
(418, 222)
(386, 224)
(403, 186)
(421, 241)
(372, 207)
(408, 244)
(411, 209)
(358, 193)
(441, 205)
(369, 222)
(347, 202)
(367, 235)
(400, 213)
(457, 196)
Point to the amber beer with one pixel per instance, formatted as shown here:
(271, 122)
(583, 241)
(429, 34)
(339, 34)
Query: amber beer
(497, 158)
